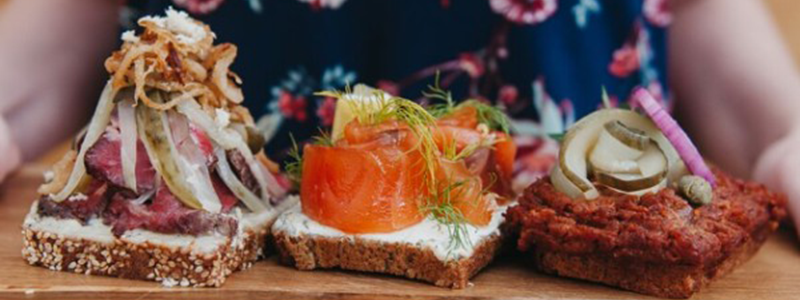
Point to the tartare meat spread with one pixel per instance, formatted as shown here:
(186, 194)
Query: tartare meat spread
(655, 228)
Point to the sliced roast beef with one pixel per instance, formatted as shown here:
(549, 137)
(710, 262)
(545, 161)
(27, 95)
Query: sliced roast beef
(165, 214)
(103, 162)
(226, 196)
(82, 206)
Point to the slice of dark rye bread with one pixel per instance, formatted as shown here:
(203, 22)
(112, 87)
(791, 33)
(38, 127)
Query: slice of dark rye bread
(423, 251)
(307, 252)
(669, 281)
(172, 265)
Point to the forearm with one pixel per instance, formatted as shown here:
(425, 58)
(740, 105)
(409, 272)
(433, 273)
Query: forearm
(736, 87)
(50, 66)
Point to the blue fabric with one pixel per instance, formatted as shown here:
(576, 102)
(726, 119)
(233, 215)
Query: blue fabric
(367, 41)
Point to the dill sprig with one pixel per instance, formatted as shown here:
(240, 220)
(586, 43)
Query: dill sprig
(436, 92)
(491, 116)
(294, 165)
(442, 209)
(419, 122)
(323, 139)
(451, 151)
(492, 181)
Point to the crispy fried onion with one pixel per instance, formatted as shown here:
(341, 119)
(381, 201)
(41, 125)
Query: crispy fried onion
(225, 53)
(61, 171)
(163, 58)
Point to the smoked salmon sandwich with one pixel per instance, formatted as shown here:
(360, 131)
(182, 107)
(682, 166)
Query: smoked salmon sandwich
(399, 189)
(168, 182)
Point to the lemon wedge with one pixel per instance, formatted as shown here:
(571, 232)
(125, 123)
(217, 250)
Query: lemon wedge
(362, 100)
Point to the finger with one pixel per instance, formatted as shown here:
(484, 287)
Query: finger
(11, 153)
(779, 169)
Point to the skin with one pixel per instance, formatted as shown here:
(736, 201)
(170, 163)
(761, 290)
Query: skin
(734, 81)
(52, 67)
(740, 104)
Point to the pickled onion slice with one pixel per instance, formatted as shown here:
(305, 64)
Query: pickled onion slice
(674, 133)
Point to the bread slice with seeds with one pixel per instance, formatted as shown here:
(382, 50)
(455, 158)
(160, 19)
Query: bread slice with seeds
(173, 260)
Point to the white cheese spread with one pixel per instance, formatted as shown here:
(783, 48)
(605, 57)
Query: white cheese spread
(95, 230)
(428, 234)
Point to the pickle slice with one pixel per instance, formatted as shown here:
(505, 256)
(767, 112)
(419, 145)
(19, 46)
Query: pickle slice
(652, 167)
(575, 162)
(610, 155)
(153, 130)
(631, 137)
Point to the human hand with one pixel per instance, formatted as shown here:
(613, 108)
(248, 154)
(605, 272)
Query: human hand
(779, 169)
(9, 150)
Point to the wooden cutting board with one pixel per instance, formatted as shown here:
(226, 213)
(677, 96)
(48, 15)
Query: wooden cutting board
(774, 273)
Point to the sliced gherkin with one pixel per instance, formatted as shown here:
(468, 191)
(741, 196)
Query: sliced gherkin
(154, 132)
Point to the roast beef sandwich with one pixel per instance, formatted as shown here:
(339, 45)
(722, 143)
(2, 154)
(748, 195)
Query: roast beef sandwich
(168, 182)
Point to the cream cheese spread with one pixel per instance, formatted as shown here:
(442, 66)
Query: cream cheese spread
(428, 234)
(95, 230)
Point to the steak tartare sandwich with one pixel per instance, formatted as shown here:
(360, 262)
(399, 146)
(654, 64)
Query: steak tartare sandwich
(169, 181)
(402, 190)
(632, 204)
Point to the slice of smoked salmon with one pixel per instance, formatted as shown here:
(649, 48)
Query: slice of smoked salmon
(464, 191)
(371, 188)
(464, 117)
(373, 180)
(496, 170)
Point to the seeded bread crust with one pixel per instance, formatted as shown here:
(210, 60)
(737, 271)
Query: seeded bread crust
(172, 266)
(667, 281)
(310, 252)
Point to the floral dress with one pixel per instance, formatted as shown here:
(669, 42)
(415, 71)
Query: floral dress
(544, 62)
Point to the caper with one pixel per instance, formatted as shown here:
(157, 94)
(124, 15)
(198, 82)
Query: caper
(695, 189)
(255, 140)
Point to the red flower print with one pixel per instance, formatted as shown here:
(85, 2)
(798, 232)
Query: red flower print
(658, 12)
(470, 63)
(625, 61)
(535, 157)
(318, 5)
(199, 7)
(389, 86)
(525, 11)
(508, 94)
(326, 111)
(293, 107)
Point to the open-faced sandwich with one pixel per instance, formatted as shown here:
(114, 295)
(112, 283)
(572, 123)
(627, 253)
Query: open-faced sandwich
(168, 181)
(400, 189)
(631, 203)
